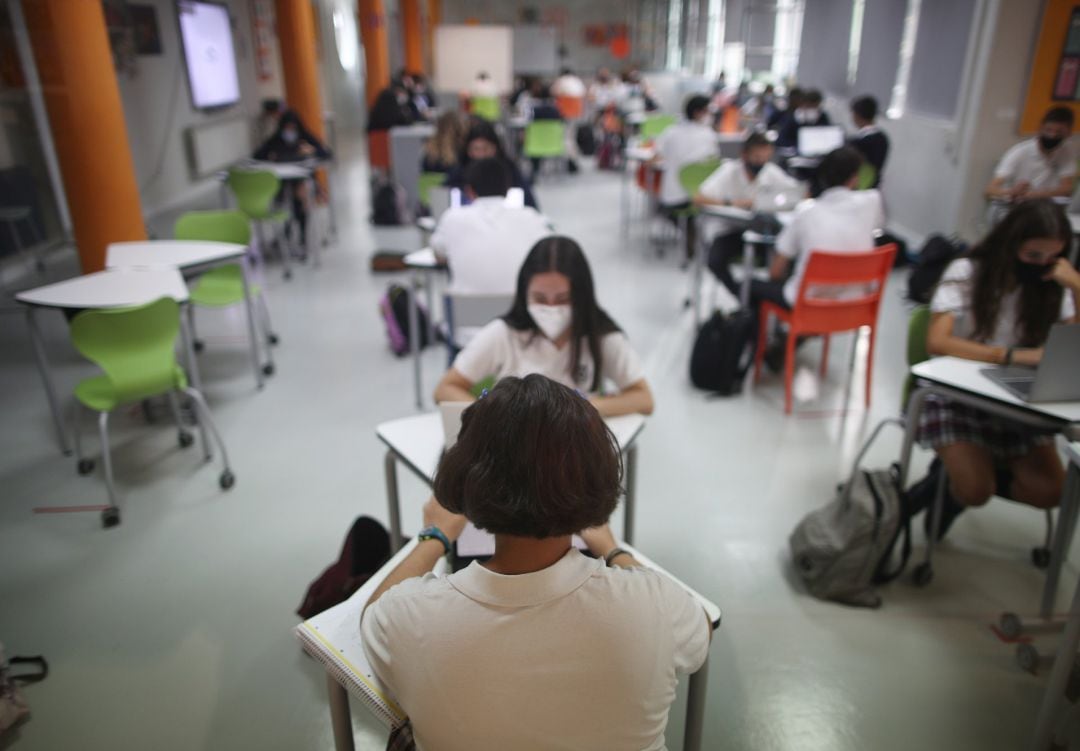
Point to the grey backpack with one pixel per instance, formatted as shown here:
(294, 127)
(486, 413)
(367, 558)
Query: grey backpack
(844, 550)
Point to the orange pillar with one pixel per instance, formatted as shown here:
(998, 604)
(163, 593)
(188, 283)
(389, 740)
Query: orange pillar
(296, 39)
(376, 51)
(434, 18)
(71, 49)
(413, 36)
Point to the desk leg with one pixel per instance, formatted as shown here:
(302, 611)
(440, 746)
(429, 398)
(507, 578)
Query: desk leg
(195, 378)
(339, 715)
(1066, 526)
(696, 274)
(253, 336)
(695, 708)
(631, 494)
(414, 338)
(911, 425)
(748, 274)
(1059, 677)
(46, 379)
(429, 296)
(393, 501)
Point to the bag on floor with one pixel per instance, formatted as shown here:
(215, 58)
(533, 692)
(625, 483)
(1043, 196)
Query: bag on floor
(722, 353)
(935, 256)
(366, 549)
(389, 260)
(389, 203)
(586, 139)
(842, 551)
(901, 257)
(13, 707)
(394, 308)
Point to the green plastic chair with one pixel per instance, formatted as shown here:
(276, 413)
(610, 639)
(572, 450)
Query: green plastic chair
(918, 328)
(255, 191)
(545, 139)
(135, 347)
(487, 108)
(867, 177)
(425, 183)
(654, 125)
(224, 285)
(691, 176)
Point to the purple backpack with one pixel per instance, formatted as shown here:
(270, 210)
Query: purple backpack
(394, 307)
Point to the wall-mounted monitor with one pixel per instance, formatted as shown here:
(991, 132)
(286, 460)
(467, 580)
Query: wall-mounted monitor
(206, 34)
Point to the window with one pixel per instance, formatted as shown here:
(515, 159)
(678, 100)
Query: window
(674, 43)
(714, 33)
(879, 50)
(939, 56)
(786, 36)
(825, 45)
(855, 40)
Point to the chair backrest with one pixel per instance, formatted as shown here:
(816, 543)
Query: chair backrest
(425, 183)
(654, 125)
(917, 351)
(545, 138)
(486, 108)
(217, 226)
(863, 274)
(867, 176)
(134, 346)
(468, 310)
(570, 107)
(254, 191)
(693, 175)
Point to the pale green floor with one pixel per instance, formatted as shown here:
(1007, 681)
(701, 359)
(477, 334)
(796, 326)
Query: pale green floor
(173, 630)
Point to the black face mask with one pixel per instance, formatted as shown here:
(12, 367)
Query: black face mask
(753, 169)
(1031, 273)
(1049, 143)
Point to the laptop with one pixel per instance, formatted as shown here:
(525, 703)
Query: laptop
(819, 140)
(1057, 379)
(774, 198)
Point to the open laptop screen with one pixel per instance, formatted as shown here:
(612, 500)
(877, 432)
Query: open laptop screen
(819, 140)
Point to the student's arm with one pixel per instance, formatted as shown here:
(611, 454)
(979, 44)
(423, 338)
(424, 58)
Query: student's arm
(778, 268)
(454, 387)
(940, 340)
(1063, 189)
(636, 398)
(1068, 277)
(997, 190)
(428, 552)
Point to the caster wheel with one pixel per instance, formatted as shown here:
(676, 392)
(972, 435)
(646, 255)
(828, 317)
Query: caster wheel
(86, 466)
(288, 275)
(1041, 558)
(186, 439)
(273, 339)
(227, 480)
(110, 517)
(268, 369)
(1010, 625)
(1027, 657)
(924, 574)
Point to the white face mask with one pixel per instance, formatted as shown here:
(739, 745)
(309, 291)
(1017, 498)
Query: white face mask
(553, 320)
(290, 136)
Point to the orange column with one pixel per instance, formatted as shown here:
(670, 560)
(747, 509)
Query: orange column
(413, 35)
(376, 51)
(71, 49)
(296, 39)
(434, 18)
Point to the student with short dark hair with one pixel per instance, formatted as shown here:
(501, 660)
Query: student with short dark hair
(540, 646)
(807, 113)
(556, 328)
(1040, 167)
(482, 142)
(869, 140)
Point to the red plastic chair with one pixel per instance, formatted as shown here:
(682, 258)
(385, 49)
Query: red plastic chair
(379, 149)
(818, 315)
(570, 107)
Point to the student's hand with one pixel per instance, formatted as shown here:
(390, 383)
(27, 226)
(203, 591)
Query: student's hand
(1020, 189)
(306, 149)
(1028, 357)
(599, 539)
(449, 523)
(1064, 274)
(744, 204)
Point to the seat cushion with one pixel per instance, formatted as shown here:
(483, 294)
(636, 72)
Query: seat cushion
(99, 394)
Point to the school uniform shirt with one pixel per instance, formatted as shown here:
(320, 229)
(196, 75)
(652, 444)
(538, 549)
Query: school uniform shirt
(500, 351)
(681, 144)
(873, 144)
(730, 182)
(953, 295)
(569, 86)
(485, 244)
(577, 656)
(839, 220)
(1025, 161)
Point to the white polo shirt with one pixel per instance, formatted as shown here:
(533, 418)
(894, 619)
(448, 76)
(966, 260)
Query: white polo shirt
(731, 183)
(485, 244)
(839, 220)
(498, 350)
(1025, 161)
(568, 86)
(577, 657)
(681, 144)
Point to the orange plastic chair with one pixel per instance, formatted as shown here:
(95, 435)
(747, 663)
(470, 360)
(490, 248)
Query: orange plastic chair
(816, 315)
(570, 107)
(379, 149)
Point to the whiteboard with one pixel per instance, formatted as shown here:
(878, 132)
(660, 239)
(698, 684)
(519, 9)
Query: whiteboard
(216, 145)
(463, 51)
(536, 49)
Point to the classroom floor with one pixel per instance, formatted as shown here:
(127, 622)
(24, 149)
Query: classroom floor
(173, 631)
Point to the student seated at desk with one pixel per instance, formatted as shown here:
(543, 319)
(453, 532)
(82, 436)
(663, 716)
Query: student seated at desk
(482, 142)
(391, 109)
(541, 646)
(543, 108)
(442, 150)
(997, 305)
(1042, 167)
(869, 140)
(485, 242)
(555, 328)
(805, 113)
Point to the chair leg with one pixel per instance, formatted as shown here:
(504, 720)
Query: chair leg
(789, 369)
(268, 327)
(285, 246)
(759, 354)
(196, 343)
(183, 435)
(85, 466)
(870, 364)
(824, 355)
(205, 418)
(106, 456)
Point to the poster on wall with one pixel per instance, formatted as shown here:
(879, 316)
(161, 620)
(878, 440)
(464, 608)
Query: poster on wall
(1067, 81)
(1054, 80)
(262, 37)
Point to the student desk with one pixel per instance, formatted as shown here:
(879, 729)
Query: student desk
(406, 152)
(117, 288)
(960, 380)
(417, 442)
(190, 257)
(423, 264)
(339, 638)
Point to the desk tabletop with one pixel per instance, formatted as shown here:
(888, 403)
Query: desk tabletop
(284, 170)
(424, 258)
(965, 375)
(418, 440)
(640, 153)
(736, 214)
(114, 288)
(180, 254)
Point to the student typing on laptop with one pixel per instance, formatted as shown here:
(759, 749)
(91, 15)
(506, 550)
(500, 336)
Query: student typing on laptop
(996, 305)
(541, 646)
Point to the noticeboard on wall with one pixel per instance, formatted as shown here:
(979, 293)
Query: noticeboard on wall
(1055, 68)
(461, 52)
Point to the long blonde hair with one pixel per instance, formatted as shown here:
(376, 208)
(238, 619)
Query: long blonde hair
(445, 145)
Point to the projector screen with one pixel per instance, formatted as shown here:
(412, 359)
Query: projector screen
(208, 54)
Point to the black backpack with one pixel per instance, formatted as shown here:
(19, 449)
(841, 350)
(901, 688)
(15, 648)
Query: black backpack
(935, 256)
(387, 203)
(586, 139)
(722, 353)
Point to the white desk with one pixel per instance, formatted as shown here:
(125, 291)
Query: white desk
(417, 442)
(406, 147)
(191, 257)
(117, 288)
(423, 264)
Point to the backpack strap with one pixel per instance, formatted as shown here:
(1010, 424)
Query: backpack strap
(882, 575)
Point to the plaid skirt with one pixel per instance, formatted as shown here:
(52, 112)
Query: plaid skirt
(944, 422)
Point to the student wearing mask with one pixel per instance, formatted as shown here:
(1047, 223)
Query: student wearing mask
(807, 114)
(541, 646)
(738, 183)
(485, 242)
(869, 140)
(482, 142)
(391, 109)
(1041, 167)
(555, 328)
(996, 305)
